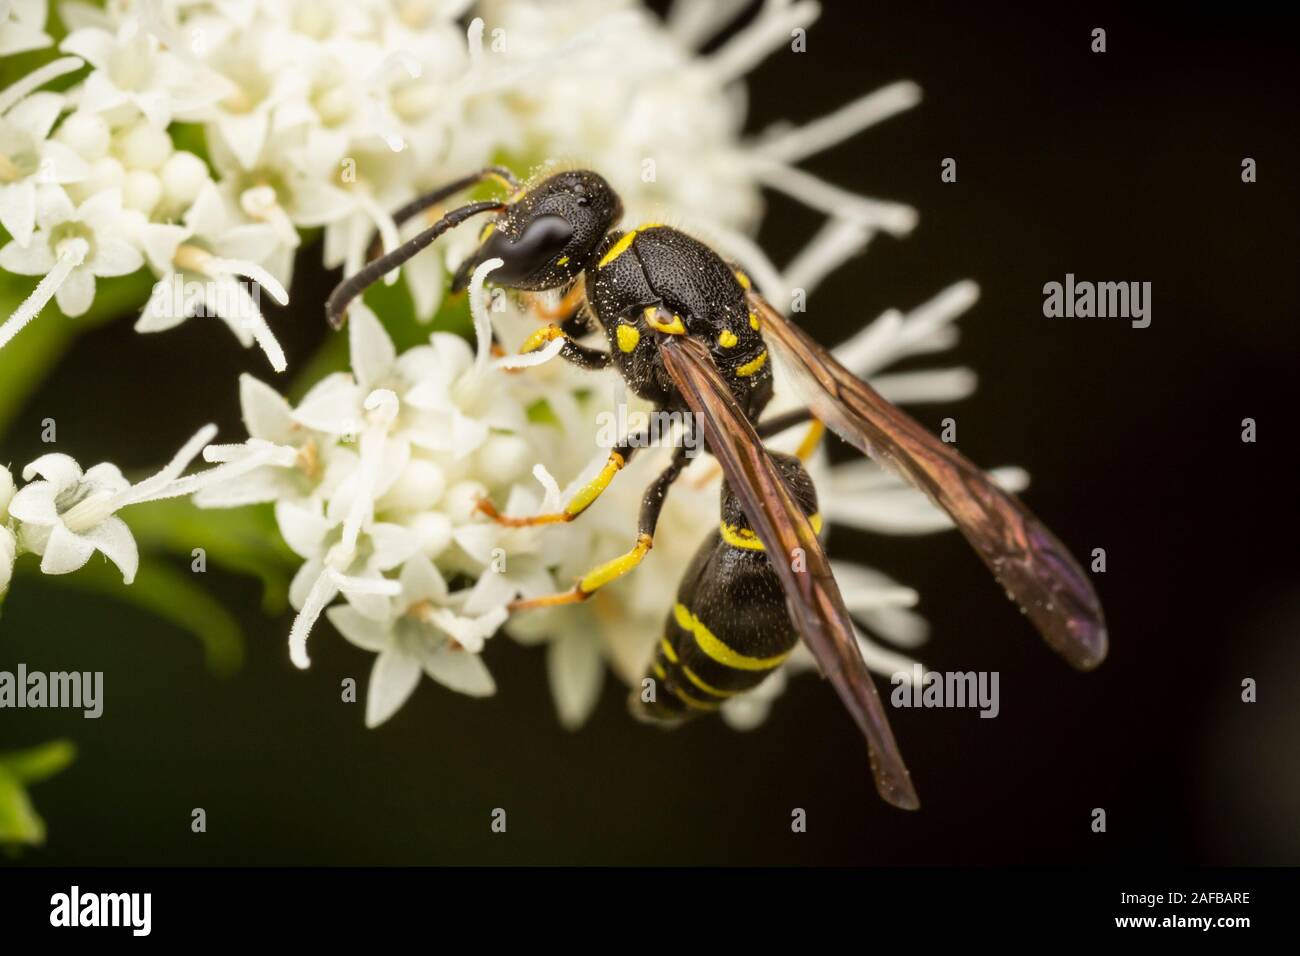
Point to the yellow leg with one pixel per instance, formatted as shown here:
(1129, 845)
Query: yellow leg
(594, 579)
(810, 441)
(540, 338)
(580, 503)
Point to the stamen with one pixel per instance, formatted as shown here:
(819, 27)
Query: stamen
(768, 31)
(384, 405)
(478, 309)
(323, 590)
(850, 119)
(837, 242)
(696, 22)
(72, 253)
(147, 489)
(895, 218)
(88, 512)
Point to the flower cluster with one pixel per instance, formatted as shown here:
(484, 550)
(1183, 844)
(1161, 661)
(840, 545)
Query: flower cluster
(327, 115)
(64, 514)
(319, 119)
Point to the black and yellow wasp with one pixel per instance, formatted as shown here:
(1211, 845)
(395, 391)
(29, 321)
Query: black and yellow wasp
(688, 332)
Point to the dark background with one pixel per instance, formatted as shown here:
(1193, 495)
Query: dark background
(1121, 166)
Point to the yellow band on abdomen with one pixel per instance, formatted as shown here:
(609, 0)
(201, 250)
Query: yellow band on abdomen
(719, 652)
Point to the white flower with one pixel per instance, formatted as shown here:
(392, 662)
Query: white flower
(256, 82)
(68, 514)
(209, 255)
(328, 116)
(72, 246)
(419, 631)
(29, 158)
(22, 26)
(315, 460)
(132, 70)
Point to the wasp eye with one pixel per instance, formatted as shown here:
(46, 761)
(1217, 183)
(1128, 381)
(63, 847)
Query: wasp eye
(541, 241)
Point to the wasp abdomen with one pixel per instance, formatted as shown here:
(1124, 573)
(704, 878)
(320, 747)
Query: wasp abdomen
(727, 631)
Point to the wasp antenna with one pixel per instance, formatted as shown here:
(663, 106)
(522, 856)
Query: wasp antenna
(419, 204)
(337, 306)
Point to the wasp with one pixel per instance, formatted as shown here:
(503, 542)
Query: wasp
(688, 332)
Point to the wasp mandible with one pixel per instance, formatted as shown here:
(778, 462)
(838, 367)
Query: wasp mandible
(688, 332)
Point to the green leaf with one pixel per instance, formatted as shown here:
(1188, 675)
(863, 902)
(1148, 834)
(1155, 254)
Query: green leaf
(19, 822)
(39, 763)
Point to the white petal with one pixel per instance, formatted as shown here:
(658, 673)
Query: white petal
(66, 552)
(302, 528)
(159, 240)
(53, 207)
(366, 633)
(93, 45)
(34, 504)
(392, 544)
(392, 680)
(576, 670)
(372, 350)
(460, 671)
(31, 260)
(112, 537)
(422, 582)
(77, 292)
(333, 406)
(208, 215)
(61, 164)
(57, 467)
(18, 215)
(106, 476)
(244, 135)
(266, 414)
(164, 310)
(114, 257)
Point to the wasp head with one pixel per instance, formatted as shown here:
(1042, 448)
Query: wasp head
(547, 234)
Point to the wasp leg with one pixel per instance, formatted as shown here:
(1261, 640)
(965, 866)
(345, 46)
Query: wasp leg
(652, 503)
(619, 456)
(421, 203)
(779, 423)
(347, 290)
(580, 355)
(811, 440)
(568, 312)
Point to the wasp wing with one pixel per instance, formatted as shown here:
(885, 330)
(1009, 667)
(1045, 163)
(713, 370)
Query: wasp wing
(816, 607)
(1026, 558)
